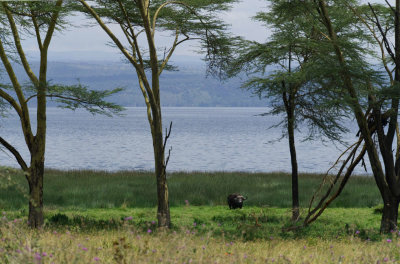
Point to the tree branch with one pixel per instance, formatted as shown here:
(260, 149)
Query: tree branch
(52, 25)
(391, 7)
(380, 43)
(134, 37)
(385, 40)
(18, 45)
(16, 154)
(139, 70)
(22, 110)
(167, 134)
(37, 30)
(11, 101)
(346, 177)
(171, 51)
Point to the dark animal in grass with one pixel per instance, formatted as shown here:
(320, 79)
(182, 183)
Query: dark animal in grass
(235, 200)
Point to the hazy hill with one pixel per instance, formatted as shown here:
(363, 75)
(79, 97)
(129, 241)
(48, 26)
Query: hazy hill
(186, 87)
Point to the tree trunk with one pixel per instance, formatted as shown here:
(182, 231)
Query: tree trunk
(389, 214)
(163, 212)
(295, 175)
(35, 218)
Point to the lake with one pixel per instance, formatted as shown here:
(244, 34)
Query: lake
(202, 139)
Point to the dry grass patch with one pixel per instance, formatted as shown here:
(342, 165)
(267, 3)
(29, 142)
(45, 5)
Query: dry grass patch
(127, 245)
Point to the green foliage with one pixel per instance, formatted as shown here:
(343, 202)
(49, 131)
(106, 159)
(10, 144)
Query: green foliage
(33, 19)
(187, 20)
(77, 96)
(43, 10)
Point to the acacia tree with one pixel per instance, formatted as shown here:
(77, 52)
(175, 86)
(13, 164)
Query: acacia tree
(382, 104)
(40, 20)
(288, 71)
(139, 21)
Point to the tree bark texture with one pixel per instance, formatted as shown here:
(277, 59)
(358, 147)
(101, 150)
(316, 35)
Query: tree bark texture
(163, 212)
(295, 175)
(389, 214)
(36, 171)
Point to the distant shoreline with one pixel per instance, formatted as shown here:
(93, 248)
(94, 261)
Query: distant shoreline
(180, 172)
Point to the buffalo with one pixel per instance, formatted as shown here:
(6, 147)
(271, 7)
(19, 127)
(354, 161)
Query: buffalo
(235, 200)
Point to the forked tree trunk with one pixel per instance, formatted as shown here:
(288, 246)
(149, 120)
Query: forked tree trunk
(35, 218)
(389, 214)
(163, 212)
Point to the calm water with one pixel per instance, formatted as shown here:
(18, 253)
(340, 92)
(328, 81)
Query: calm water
(202, 139)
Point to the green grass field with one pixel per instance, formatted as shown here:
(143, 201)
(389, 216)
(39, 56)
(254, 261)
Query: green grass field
(102, 217)
(99, 189)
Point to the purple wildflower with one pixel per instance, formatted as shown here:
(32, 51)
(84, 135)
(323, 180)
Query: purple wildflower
(357, 232)
(128, 218)
(388, 240)
(194, 224)
(44, 254)
(149, 231)
(96, 259)
(385, 259)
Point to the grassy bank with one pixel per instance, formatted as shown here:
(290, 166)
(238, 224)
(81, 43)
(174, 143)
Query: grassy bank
(98, 189)
(101, 217)
(201, 234)
(129, 246)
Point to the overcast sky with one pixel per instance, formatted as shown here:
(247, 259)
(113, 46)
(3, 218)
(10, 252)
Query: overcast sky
(90, 43)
